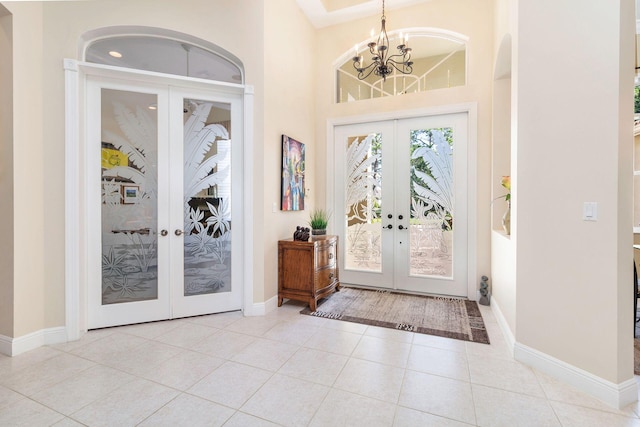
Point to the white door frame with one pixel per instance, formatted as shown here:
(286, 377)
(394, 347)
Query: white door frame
(76, 219)
(472, 154)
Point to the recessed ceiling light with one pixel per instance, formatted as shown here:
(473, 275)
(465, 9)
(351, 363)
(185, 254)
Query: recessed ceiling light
(115, 54)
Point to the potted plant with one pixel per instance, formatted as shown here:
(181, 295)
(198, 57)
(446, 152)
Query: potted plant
(318, 220)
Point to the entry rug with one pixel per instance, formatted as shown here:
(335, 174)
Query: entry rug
(442, 316)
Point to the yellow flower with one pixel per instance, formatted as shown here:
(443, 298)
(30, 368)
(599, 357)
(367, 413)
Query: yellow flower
(506, 182)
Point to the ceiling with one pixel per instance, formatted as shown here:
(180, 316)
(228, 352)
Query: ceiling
(323, 13)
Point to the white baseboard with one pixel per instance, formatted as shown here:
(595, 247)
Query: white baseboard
(504, 326)
(262, 308)
(615, 395)
(19, 345)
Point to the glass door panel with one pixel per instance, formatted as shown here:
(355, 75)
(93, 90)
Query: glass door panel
(401, 186)
(432, 202)
(129, 174)
(363, 241)
(207, 197)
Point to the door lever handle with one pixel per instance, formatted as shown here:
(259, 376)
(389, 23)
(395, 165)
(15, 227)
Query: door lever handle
(164, 232)
(178, 232)
(389, 226)
(400, 227)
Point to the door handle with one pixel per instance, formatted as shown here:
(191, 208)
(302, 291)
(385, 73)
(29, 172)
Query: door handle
(178, 232)
(400, 217)
(164, 232)
(400, 227)
(389, 216)
(389, 226)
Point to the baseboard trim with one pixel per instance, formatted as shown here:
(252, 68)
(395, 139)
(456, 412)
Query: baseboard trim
(15, 346)
(504, 326)
(262, 308)
(614, 395)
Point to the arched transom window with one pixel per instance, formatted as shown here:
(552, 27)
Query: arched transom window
(439, 61)
(165, 55)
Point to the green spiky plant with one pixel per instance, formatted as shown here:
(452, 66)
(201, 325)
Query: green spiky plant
(319, 219)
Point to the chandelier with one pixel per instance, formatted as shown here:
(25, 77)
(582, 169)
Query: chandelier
(382, 63)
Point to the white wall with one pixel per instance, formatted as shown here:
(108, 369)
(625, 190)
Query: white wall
(573, 86)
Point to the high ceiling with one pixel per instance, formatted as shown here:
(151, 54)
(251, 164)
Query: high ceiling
(323, 13)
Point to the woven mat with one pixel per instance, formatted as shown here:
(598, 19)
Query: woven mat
(442, 316)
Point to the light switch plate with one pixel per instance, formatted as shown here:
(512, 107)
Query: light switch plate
(590, 211)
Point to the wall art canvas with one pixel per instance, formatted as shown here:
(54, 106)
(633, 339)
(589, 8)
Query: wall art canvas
(293, 166)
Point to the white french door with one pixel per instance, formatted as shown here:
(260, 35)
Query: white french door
(164, 178)
(400, 189)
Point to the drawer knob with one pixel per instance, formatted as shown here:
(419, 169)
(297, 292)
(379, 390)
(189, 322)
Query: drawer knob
(331, 255)
(331, 276)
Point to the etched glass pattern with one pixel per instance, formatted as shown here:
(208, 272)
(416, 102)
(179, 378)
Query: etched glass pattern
(364, 203)
(129, 201)
(207, 198)
(432, 202)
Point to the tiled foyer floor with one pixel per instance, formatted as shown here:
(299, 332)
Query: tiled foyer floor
(286, 369)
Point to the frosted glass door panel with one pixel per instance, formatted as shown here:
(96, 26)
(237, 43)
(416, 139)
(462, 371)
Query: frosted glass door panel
(432, 202)
(129, 196)
(364, 203)
(207, 197)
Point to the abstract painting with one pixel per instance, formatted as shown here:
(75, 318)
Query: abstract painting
(292, 174)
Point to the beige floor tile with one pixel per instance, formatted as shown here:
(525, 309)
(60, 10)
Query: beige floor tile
(150, 330)
(29, 359)
(504, 374)
(287, 401)
(348, 409)
(240, 419)
(371, 379)
(232, 384)
(186, 335)
(381, 350)
(314, 365)
(406, 417)
(561, 392)
(256, 326)
(439, 342)
(45, 374)
(334, 341)
(141, 359)
(82, 389)
(27, 413)
(87, 338)
(127, 405)
(437, 395)
(220, 320)
(389, 334)
(266, 354)
(8, 397)
(67, 422)
(356, 328)
(503, 408)
(451, 364)
(578, 416)
(224, 344)
(192, 411)
(291, 332)
(183, 370)
(101, 350)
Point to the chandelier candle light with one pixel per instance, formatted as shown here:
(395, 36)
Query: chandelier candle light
(382, 63)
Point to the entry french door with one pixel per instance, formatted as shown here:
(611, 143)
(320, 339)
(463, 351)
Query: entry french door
(164, 164)
(401, 193)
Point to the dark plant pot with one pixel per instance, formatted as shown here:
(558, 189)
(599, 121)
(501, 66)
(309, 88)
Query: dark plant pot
(318, 232)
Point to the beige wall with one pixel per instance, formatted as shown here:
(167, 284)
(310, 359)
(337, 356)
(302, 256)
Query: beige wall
(471, 18)
(44, 34)
(574, 142)
(28, 173)
(290, 73)
(6, 174)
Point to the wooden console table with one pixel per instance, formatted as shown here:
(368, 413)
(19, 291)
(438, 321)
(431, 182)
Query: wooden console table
(307, 271)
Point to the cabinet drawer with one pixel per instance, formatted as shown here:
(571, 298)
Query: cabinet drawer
(325, 277)
(326, 255)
